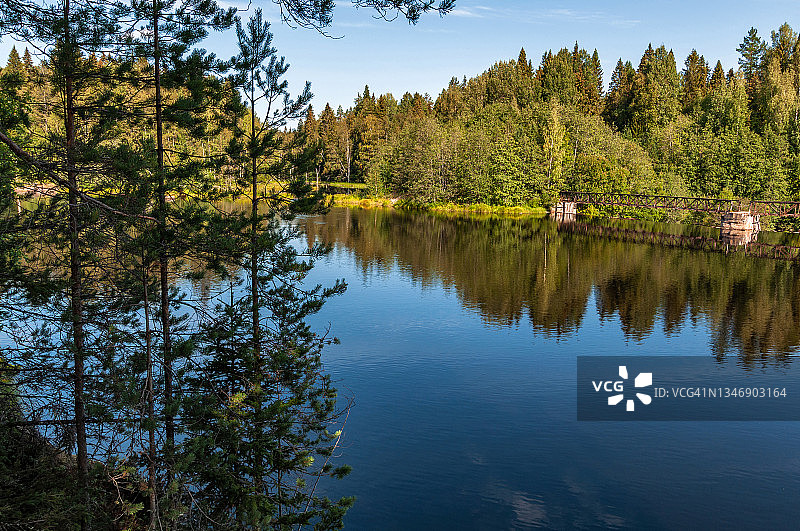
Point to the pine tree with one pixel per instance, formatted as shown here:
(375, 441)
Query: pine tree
(100, 282)
(524, 93)
(656, 90)
(450, 103)
(13, 64)
(173, 29)
(319, 15)
(27, 65)
(26, 59)
(647, 57)
(752, 50)
(13, 120)
(592, 82)
(524, 68)
(365, 103)
(344, 142)
(74, 235)
(694, 81)
(386, 111)
(366, 131)
(261, 405)
(617, 108)
(783, 44)
(558, 78)
(718, 77)
(313, 143)
(327, 131)
(554, 150)
(598, 72)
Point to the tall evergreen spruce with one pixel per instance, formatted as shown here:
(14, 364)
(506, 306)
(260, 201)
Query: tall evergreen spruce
(14, 63)
(718, 79)
(327, 132)
(694, 81)
(262, 411)
(174, 26)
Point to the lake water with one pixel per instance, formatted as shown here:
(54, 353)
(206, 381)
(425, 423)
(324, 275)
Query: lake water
(459, 339)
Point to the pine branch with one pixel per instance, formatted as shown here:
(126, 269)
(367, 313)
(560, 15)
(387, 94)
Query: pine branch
(26, 158)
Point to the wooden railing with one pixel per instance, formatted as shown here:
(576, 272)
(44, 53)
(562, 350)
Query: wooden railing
(700, 204)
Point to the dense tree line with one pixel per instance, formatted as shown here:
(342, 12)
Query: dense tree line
(134, 402)
(518, 132)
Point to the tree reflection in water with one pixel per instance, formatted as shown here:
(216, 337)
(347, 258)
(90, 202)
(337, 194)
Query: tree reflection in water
(514, 269)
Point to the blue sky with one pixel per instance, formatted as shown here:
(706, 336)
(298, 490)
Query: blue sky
(396, 57)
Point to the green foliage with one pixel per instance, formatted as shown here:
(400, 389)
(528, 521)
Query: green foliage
(617, 108)
(694, 81)
(752, 50)
(379, 173)
(558, 77)
(258, 405)
(656, 88)
(554, 147)
(599, 160)
(492, 143)
(515, 136)
(14, 63)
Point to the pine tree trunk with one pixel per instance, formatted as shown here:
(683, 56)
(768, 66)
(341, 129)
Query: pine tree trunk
(76, 286)
(151, 430)
(162, 254)
(259, 464)
(254, 227)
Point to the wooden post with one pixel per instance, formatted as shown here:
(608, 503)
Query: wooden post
(563, 211)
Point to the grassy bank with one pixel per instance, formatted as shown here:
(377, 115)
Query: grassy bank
(345, 200)
(482, 208)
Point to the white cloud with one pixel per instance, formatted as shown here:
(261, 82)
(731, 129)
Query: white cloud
(540, 16)
(464, 12)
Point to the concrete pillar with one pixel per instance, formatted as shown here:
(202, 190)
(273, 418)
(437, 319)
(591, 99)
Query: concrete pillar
(563, 211)
(739, 228)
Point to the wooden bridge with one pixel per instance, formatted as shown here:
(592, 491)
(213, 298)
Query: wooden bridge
(740, 220)
(697, 204)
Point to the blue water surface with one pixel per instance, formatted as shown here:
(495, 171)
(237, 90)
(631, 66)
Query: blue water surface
(465, 420)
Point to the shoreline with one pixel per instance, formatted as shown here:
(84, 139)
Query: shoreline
(344, 200)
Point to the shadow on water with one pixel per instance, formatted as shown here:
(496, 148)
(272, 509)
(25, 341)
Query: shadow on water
(536, 270)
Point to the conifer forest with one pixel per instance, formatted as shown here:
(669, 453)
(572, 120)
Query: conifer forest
(157, 370)
(524, 129)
